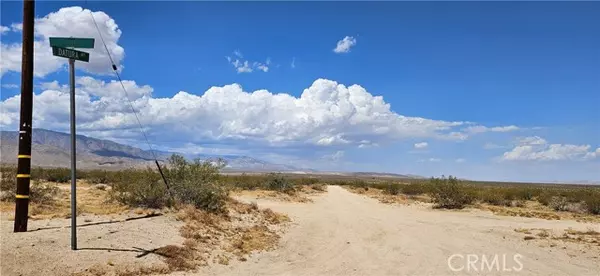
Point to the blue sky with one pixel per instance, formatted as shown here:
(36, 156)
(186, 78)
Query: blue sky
(526, 69)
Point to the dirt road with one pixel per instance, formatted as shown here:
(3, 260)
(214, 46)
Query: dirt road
(342, 233)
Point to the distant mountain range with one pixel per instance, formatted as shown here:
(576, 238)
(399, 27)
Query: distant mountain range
(53, 149)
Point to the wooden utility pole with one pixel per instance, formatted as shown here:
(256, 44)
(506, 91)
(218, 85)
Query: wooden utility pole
(24, 156)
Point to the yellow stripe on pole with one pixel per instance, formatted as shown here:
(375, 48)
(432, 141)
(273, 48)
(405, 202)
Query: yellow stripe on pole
(24, 156)
(23, 175)
(22, 196)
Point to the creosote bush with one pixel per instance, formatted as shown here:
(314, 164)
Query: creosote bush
(140, 188)
(41, 193)
(558, 203)
(449, 193)
(592, 203)
(393, 188)
(416, 188)
(60, 175)
(278, 182)
(196, 183)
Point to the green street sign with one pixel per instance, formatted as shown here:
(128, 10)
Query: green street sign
(73, 42)
(70, 53)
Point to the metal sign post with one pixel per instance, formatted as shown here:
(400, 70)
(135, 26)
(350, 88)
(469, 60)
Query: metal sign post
(73, 159)
(59, 49)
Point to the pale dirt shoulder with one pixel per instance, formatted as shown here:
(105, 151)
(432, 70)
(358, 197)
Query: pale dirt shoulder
(105, 240)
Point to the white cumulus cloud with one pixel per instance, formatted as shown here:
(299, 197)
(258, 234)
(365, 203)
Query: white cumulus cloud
(538, 149)
(421, 145)
(66, 22)
(4, 29)
(344, 45)
(325, 114)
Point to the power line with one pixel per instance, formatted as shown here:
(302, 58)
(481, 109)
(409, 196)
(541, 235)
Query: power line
(114, 67)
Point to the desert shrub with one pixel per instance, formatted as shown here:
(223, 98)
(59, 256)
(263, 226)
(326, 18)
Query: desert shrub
(545, 197)
(449, 193)
(360, 184)
(140, 188)
(592, 203)
(60, 175)
(197, 183)
(415, 189)
(392, 188)
(495, 197)
(379, 185)
(525, 193)
(559, 203)
(319, 187)
(8, 179)
(574, 195)
(98, 176)
(342, 183)
(41, 193)
(277, 182)
(245, 182)
(306, 181)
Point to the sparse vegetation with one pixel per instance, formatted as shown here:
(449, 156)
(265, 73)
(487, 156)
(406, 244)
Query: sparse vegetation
(195, 183)
(39, 192)
(319, 187)
(200, 182)
(415, 188)
(393, 188)
(592, 203)
(558, 203)
(449, 193)
(140, 188)
(277, 182)
(565, 198)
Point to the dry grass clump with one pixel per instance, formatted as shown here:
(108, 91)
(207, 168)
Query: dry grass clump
(244, 228)
(319, 187)
(273, 217)
(255, 238)
(300, 197)
(518, 212)
(590, 236)
(543, 234)
(523, 230)
(179, 258)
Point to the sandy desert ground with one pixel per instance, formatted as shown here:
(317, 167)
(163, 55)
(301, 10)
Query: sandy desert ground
(339, 233)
